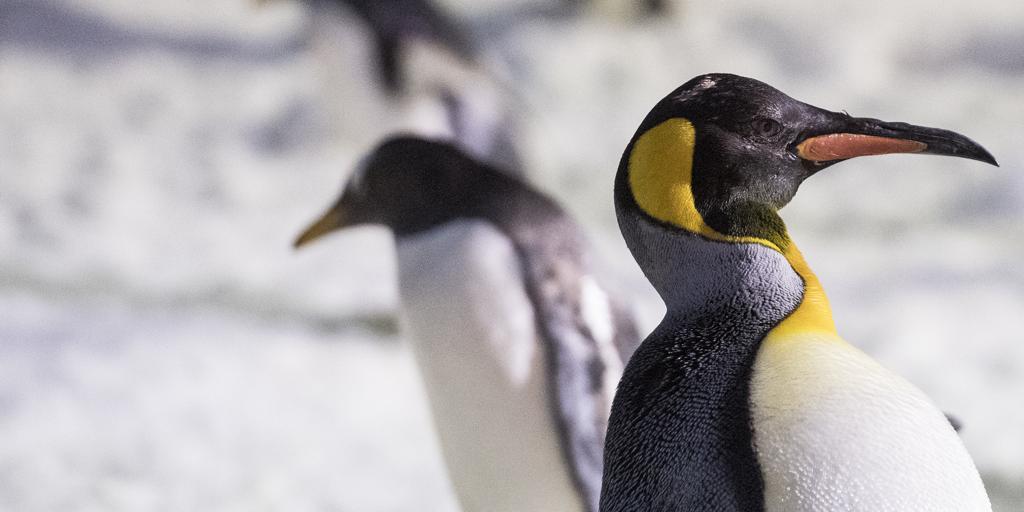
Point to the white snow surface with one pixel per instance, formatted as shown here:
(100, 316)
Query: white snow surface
(162, 347)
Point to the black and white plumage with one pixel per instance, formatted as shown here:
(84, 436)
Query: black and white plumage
(745, 397)
(519, 346)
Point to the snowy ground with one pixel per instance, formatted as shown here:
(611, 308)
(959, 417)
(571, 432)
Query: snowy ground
(162, 348)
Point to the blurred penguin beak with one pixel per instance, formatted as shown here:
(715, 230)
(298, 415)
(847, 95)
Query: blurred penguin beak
(334, 219)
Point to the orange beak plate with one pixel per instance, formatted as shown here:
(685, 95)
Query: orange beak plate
(840, 146)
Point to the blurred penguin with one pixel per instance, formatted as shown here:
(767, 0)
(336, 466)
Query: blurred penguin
(398, 24)
(629, 10)
(518, 344)
(428, 64)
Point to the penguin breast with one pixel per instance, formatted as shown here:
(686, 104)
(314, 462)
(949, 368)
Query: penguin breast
(834, 430)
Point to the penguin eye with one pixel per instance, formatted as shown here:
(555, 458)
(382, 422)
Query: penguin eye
(767, 127)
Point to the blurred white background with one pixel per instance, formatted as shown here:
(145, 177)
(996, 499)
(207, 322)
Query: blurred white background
(162, 347)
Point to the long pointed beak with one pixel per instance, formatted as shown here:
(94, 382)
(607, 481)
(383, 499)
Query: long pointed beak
(849, 137)
(334, 219)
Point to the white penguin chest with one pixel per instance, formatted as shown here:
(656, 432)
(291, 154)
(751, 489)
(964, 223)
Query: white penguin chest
(474, 335)
(834, 430)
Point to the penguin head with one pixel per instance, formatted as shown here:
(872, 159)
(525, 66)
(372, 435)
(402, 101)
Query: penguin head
(721, 154)
(407, 184)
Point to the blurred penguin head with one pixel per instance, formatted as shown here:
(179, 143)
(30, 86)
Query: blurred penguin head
(407, 184)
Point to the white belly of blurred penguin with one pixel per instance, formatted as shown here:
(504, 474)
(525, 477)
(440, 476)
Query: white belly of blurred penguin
(474, 335)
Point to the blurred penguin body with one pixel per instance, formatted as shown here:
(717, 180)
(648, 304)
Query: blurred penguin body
(745, 397)
(465, 104)
(395, 24)
(427, 63)
(519, 346)
(474, 334)
(627, 10)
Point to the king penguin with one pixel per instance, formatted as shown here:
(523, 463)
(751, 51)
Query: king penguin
(519, 346)
(744, 397)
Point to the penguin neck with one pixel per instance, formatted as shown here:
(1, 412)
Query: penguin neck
(691, 264)
(723, 300)
(698, 277)
(813, 314)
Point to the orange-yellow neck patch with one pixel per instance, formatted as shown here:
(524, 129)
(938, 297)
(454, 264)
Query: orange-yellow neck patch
(813, 314)
(660, 177)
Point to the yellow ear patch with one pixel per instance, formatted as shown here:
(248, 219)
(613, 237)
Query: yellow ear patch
(660, 174)
(660, 177)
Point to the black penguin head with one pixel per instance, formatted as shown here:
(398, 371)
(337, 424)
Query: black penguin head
(740, 149)
(407, 184)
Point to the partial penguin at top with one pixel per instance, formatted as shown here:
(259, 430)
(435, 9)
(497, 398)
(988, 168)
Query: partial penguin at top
(518, 341)
(745, 397)
(633, 10)
(431, 69)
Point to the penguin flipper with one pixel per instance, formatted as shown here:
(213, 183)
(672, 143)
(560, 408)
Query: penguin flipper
(954, 421)
(577, 326)
(584, 364)
(627, 334)
(576, 370)
(388, 65)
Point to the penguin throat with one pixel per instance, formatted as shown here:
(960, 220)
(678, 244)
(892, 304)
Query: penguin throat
(813, 315)
(660, 175)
